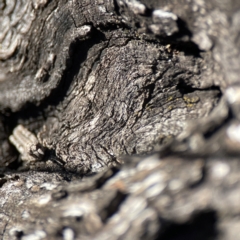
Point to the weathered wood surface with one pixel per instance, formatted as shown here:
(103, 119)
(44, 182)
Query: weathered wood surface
(145, 93)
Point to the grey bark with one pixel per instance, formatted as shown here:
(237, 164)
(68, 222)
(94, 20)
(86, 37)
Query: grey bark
(146, 93)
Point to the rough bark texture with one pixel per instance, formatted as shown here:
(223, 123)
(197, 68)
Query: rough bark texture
(136, 106)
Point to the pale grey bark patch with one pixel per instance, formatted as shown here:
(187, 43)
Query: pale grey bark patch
(27, 144)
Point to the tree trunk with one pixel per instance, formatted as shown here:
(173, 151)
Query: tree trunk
(119, 119)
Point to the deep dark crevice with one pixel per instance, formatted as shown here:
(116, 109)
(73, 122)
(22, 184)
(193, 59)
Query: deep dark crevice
(116, 8)
(185, 88)
(178, 39)
(79, 51)
(183, 29)
(15, 178)
(189, 48)
(108, 27)
(201, 227)
(18, 234)
(113, 206)
(51, 155)
(148, 12)
(14, 165)
(2, 181)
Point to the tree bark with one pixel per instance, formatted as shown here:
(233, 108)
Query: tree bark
(124, 116)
